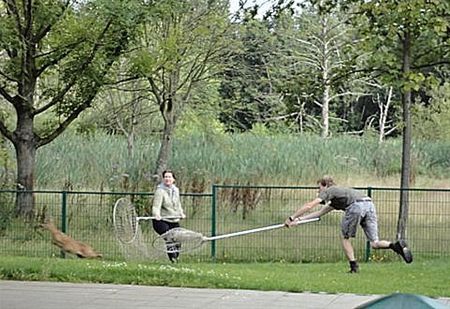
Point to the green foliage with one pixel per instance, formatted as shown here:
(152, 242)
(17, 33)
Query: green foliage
(6, 213)
(6, 165)
(179, 35)
(6, 182)
(432, 121)
(69, 62)
(247, 88)
(195, 122)
(391, 26)
(260, 130)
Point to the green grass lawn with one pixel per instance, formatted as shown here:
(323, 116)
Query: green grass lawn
(430, 278)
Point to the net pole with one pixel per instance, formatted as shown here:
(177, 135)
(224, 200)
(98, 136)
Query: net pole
(261, 229)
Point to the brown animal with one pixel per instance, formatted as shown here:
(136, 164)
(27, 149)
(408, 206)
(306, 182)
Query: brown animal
(68, 244)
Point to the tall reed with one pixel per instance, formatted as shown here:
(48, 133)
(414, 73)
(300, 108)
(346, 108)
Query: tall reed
(102, 162)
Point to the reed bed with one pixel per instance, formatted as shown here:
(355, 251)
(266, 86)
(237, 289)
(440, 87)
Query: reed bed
(103, 162)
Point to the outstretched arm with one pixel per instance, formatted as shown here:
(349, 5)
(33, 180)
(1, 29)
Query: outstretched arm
(317, 214)
(305, 208)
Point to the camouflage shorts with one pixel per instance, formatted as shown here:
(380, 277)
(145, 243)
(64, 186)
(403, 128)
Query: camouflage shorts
(364, 214)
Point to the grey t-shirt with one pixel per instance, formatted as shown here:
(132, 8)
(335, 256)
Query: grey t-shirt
(340, 197)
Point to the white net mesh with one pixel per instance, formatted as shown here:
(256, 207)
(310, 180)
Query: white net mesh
(132, 241)
(178, 239)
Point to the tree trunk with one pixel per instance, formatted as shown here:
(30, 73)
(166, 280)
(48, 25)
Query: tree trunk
(25, 146)
(325, 81)
(326, 112)
(168, 109)
(406, 150)
(166, 148)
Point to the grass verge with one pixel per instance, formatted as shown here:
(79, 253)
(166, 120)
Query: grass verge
(428, 278)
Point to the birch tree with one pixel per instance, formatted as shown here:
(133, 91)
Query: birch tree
(319, 58)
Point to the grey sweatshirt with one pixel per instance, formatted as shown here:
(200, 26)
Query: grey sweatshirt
(166, 203)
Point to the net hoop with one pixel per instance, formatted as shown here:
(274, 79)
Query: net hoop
(124, 220)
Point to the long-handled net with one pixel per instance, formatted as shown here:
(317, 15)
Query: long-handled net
(128, 232)
(183, 240)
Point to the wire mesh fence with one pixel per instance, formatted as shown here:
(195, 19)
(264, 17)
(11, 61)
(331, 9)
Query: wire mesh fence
(87, 217)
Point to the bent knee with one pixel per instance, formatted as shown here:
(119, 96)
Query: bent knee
(375, 244)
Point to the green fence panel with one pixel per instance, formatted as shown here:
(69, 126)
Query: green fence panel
(87, 216)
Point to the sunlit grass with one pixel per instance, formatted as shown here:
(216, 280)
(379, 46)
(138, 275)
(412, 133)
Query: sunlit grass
(428, 277)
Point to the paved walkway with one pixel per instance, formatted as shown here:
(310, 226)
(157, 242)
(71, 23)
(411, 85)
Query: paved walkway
(57, 295)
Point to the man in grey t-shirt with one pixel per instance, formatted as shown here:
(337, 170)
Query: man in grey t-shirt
(359, 209)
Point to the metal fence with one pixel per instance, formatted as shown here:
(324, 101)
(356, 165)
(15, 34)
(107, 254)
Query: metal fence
(87, 216)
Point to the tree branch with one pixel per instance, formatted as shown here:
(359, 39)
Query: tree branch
(97, 83)
(347, 93)
(28, 12)
(41, 33)
(57, 98)
(7, 96)
(7, 77)
(45, 65)
(5, 132)
(12, 10)
(430, 65)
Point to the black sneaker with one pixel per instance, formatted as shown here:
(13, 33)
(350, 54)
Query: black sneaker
(354, 268)
(172, 252)
(401, 248)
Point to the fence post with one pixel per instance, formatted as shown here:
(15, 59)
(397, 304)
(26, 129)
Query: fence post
(63, 217)
(213, 220)
(369, 194)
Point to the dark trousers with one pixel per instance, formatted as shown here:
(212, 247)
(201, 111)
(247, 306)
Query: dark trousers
(161, 227)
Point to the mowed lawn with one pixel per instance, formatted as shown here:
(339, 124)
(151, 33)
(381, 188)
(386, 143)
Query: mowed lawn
(426, 277)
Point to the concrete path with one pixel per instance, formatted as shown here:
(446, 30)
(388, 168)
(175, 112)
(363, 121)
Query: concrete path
(57, 295)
